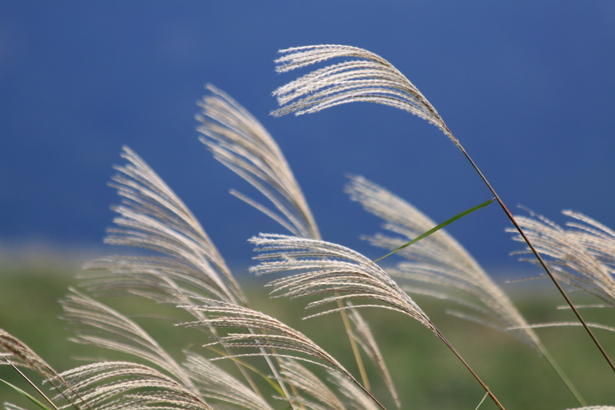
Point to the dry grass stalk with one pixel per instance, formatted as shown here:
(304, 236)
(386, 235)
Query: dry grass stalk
(369, 77)
(241, 143)
(448, 270)
(325, 269)
(189, 272)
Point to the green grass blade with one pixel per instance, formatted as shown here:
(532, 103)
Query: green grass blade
(437, 228)
(27, 395)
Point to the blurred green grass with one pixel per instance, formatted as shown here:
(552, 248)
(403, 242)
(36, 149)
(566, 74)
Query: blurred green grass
(425, 372)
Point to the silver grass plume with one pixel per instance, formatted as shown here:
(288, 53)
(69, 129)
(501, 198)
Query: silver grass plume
(15, 353)
(363, 335)
(335, 273)
(440, 262)
(112, 385)
(112, 330)
(152, 217)
(373, 79)
(355, 398)
(367, 77)
(220, 314)
(99, 325)
(594, 408)
(322, 398)
(241, 143)
(274, 338)
(449, 271)
(580, 254)
(218, 386)
(324, 268)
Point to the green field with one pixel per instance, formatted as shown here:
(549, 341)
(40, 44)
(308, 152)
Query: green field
(425, 372)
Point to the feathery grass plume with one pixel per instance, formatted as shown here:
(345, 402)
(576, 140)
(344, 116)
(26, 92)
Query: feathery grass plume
(373, 79)
(312, 385)
(368, 77)
(439, 261)
(275, 336)
(117, 332)
(307, 382)
(112, 385)
(355, 398)
(226, 315)
(217, 385)
(450, 272)
(152, 217)
(365, 338)
(581, 255)
(329, 269)
(99, 325)
(337, 273)
(15, 353)
(241, 143)
(594, 408)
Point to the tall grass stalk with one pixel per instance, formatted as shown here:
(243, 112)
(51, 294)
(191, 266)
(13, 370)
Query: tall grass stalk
(242, 144)
(371, 78)
(441, 263)
(277, 365)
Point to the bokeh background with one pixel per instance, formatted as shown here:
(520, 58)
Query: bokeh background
(527, 86)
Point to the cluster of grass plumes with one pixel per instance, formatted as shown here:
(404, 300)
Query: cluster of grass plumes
(272, 364)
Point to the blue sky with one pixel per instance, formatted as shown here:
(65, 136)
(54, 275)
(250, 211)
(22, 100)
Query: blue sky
(527, 86)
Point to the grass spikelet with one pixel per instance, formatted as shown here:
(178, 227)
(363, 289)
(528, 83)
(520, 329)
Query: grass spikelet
(325, 269)
(240, 142)
(152, 217)
(329, 269)
(368, 78)
(580, 254)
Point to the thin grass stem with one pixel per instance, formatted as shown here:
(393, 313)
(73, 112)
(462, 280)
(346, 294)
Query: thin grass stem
(353, 345)
(538, 257)
(478, 379)
(31, 383)
(482, 401)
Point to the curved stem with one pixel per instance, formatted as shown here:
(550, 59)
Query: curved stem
(538, 257)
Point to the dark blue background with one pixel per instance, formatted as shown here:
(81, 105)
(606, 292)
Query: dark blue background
(527, 86)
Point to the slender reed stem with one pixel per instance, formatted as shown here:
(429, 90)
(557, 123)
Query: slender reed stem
(538, 257)
(478, 379)
(371, 396)
(353, 345)
(34, 386)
